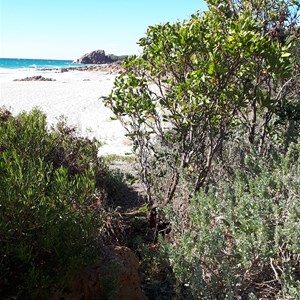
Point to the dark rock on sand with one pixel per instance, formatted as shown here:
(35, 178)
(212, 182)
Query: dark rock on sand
(111, 68)
(35, 78)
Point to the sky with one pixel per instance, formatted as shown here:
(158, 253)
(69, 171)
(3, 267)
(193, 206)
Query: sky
(67, 29)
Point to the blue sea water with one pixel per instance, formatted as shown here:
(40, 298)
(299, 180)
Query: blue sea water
(22, 63)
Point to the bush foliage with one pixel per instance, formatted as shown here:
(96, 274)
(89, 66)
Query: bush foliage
(50, 204)
(243, 233)
(212, 107)
(198, 83)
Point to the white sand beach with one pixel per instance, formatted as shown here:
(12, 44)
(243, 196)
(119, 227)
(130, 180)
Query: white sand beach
(75, 95)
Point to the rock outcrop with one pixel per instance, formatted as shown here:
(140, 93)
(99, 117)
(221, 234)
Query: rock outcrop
(113, 68)
(35, 78)
(95, 57)
(128, 280)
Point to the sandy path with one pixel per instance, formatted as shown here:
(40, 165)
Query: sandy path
(76, 96)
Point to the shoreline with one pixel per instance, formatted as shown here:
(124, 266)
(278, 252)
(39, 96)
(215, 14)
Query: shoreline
(74, 94)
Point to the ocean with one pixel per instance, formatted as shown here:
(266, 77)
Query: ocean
(22, 63)
(17, 68)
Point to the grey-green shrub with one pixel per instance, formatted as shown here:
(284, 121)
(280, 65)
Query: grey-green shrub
(50, 182)
(244, 233)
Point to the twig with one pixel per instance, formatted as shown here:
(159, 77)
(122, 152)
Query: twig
(276, 274)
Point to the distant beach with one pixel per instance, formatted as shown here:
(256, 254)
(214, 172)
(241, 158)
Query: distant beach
(74, 93)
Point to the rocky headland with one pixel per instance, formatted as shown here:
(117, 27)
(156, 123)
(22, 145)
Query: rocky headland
(95, 57)
(99, 57)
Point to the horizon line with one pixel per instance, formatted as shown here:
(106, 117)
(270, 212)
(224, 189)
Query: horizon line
(35, 58)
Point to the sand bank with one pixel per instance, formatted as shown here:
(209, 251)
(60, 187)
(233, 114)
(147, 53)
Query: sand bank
(73, 94)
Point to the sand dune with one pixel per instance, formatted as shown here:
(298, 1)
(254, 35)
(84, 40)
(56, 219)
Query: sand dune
(75, 95)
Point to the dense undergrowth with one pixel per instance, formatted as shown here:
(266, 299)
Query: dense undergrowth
(53, 212)
(236, 238)
(242, 234)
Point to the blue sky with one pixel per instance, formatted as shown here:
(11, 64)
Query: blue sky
(67, 29)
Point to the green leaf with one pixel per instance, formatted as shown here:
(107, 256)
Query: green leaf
(211, 68)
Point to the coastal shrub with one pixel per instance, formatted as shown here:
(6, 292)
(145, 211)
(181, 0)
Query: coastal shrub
(197, 84)
(51, 212)
(243, 233)
(212, 108)
(76, 153)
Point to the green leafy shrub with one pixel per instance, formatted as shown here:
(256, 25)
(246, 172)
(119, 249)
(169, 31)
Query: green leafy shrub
(197, 83)
(204, 95)
(50, 204)
(244, 233)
